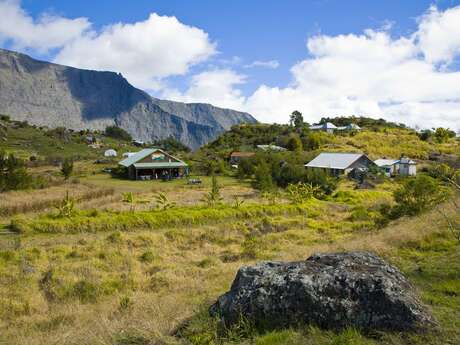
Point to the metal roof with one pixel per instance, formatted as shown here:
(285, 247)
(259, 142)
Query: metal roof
(385, 162)
(326, 125)
(131, 160)
(271, 147)
(160, 165)
(334, 160)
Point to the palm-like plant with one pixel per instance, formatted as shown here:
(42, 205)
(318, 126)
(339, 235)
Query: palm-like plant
(129, 199)
(213, 198)
(66, 208)
(162, 202)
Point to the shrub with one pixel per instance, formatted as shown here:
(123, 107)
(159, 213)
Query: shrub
(417, 195)
(67, 168)
(162, 202)
(213, 198)
(301, 192)
(117, 133)
(263, 177)
(13, 174)
(66, 208)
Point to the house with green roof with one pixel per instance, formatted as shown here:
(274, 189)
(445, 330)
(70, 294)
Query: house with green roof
(153, 164)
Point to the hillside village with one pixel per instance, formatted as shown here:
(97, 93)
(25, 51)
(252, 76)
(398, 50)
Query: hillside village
(100, 229)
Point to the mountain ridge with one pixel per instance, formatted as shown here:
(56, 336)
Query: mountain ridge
(49, 94)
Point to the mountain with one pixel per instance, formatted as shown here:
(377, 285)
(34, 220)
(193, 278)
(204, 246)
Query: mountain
(48, 94)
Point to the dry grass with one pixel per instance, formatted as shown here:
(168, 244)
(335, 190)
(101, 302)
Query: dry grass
(186, 268)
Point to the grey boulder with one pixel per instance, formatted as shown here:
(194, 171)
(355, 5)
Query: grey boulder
(332, 291)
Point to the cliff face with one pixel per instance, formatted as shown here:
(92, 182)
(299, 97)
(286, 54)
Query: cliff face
(47, 94)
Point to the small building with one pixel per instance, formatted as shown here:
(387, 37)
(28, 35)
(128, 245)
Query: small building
(325, 127)
(389, 166)
(236, 157)
(271, 148)
(407, 167)
(402, 167)
(350, 127)
(337, 164)
(154, 163)
(110, 153)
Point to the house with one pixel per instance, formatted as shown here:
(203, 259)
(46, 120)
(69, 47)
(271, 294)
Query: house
(407, 167)
(350, 127)
(236, 157)
(325, 127)
(110, 153)
(403, 166)
(154, 163)
(337, 164)
(271, 148)
(389, 166)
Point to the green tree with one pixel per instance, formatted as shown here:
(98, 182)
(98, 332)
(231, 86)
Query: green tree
(296, 119)
(117, 133)
(245, 168)
(294, 143)
(442, 134)
(263, 177)
(417, 195)
(67, 168)
(13, 173)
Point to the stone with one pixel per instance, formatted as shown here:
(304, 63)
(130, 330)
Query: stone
(332, 291)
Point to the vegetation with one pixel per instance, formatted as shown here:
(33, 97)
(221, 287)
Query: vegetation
(172, 145)
(117, 133)
(13, 174)
(67, 168)
(80, 265)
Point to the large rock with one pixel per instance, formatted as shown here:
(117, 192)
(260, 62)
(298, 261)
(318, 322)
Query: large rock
(329, 290)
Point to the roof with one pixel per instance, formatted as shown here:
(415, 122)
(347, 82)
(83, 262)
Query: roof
(405, 160)
(385, 162)
(161, 165)
(242, 154)
(132, 159)
(350, 126)
(271, 147)
(326, 125)
(334, 160)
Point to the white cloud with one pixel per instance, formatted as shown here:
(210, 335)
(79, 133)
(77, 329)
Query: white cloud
(271, 64)
(145, 52)
(47, 32)
(216, 87)
(372, 74)
(439, 34)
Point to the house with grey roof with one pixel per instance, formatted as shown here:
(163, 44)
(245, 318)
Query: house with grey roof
(154, 163)
(337, 163)
(325, 127)
(402, 167)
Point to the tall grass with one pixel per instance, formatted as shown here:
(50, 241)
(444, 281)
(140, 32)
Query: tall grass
(95, 221)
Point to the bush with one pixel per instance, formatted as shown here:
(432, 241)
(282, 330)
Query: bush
(263, 178)
(13, 174)
(117, 133)
(417, 195)
(67, 168)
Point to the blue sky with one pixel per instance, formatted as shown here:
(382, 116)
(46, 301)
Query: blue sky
(253, 55)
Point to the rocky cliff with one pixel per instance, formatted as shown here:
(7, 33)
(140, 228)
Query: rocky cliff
(53, 95)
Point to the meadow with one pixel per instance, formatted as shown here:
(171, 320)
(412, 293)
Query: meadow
(118, 273)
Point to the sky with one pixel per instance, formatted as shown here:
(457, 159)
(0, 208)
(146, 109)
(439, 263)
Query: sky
(399, 60)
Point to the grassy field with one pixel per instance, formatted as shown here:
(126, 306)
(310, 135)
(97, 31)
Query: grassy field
(110, 275)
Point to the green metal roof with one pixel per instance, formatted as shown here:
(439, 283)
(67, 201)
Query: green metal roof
(160, 165)
(131, 160)
(136, 157)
